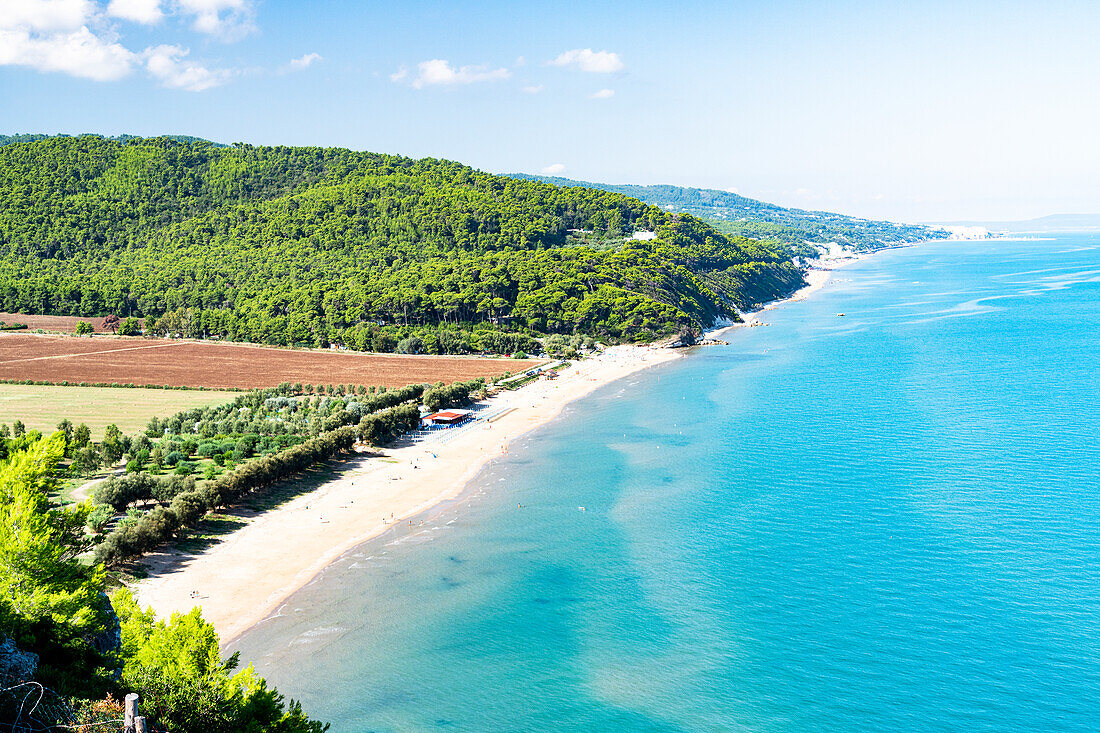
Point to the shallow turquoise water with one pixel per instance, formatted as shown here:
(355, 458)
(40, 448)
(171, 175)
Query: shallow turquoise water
(882, 522)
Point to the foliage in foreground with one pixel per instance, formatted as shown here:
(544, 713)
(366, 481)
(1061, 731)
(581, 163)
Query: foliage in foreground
(55, 606)
(186, 686)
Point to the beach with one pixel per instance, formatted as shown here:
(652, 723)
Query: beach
(828, 524)
(247, 575)
(817, 277)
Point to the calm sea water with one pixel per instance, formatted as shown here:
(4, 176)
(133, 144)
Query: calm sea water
(881, 522)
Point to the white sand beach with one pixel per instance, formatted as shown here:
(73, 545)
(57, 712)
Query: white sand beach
(242, 579)
(246, 576)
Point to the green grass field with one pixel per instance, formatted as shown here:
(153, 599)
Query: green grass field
(42, 407)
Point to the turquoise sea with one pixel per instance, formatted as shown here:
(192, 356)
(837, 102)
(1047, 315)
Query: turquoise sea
(886, 521)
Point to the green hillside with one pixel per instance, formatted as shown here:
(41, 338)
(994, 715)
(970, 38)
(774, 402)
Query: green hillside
(314, 246)
(740, 216)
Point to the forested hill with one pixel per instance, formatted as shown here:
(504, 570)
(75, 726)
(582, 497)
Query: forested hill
(317, 245)
(741, 216)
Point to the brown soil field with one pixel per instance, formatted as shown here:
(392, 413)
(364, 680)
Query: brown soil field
(65, 324)
(221, 365)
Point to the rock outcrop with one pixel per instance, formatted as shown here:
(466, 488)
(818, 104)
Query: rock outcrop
(16, 663)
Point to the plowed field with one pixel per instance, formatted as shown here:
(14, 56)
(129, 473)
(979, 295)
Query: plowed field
(53, 323)
(221, 365)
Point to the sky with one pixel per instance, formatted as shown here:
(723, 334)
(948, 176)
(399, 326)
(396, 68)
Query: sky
(910, 111)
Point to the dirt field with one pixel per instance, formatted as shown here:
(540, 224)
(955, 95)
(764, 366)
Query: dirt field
(220, 366)
(43, 407)
(65, 324)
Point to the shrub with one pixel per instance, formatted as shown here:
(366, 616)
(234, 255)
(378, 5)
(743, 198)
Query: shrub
(122, 491)
(410, 345)
(99, 517)
(130, 327)
(168, 489)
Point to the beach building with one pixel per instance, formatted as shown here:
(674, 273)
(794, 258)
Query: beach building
(448, 418)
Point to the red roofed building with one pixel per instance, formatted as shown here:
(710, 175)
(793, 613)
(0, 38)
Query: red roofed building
(448, 417)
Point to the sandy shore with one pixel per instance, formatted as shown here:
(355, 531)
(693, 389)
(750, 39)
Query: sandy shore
(817, 277)
(246, 576)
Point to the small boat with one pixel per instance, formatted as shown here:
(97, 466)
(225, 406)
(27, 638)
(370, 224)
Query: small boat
(840, 314)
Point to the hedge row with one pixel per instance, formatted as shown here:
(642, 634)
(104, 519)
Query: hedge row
(132, 539)
(390, 414)
(451, 395)
(48, 383)
(379, 428)
(121, 491)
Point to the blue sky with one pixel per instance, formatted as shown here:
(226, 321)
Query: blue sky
(910, 111)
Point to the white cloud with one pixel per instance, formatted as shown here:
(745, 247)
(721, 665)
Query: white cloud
(227, 19)
(553, 169)
(76, 37)
(146, 12)
(602, 94)
(520, 61)
(45, 15)
(168, 65)
(733, 189)
(440, 72)
(304, 62)
(399, 74)
(79, 53)
(532, 89)
(593, 62)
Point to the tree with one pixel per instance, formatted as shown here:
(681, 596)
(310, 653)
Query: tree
(111, 322)
(87, 460)
(83, 328)
(50, 603)
(18, 429)
(176, 667)
(410, 345)
(130, 327)
(82, 435)
(112, 446)
(66, 427)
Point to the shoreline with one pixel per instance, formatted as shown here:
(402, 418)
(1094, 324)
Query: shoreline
(817, 277)
(246, 575)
